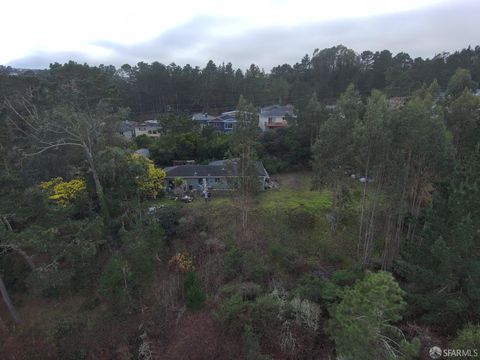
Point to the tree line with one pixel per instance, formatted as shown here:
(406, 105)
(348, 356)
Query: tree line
(158, 88)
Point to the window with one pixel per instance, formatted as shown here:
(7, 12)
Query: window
(228, 126)
(217, 180)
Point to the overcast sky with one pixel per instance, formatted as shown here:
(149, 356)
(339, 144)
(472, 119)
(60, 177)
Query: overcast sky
(35, 33)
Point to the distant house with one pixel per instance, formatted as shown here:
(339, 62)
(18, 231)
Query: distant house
(150, 128)
(225, 122)
(275, 116)
(202, 118)
(127, 129)
(218, 175)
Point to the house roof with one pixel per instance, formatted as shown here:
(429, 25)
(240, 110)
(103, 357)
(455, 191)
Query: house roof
(199, 171)
(202, 117)
(219, 168)
(150, 124)
(258, 165)
(225, 117)
(277, 110)
(126, 126)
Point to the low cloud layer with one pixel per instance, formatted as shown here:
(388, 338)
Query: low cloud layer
(424, 32)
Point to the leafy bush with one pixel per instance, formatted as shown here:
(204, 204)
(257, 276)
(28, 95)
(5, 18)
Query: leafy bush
(234, 313)
(467, 338)
(66, 337)
(168, 218)
(255, 269)
(233, 262)
(194, 294)
(115, 284)
(300, 219)
(274, 165)
(286, 259)
(326, 291)
(141, 247)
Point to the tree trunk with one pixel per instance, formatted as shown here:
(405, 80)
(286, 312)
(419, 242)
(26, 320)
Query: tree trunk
(11, 309)
(98, 186)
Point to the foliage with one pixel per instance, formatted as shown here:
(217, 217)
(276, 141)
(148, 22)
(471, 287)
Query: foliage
(151, 183)
(168, 217)
(326, 291)
(361, 324)
(66, 336)
(63, 192)
(233, 262)
(460, 80)
(182, 262)
(442, 261)
(114, 285)
(143, 245)
(194, 294)
(467, 338)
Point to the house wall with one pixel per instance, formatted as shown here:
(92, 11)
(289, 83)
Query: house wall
(221, 183)
(128, 134)
(274, 119)
(149, 131)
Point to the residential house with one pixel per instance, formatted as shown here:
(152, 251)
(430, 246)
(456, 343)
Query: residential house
(127, 129)
(218, 175)
(202, 118)
(275, 116)
(150, 128)
(225, 122)
(222, 123)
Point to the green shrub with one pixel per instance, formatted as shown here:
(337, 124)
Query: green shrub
(194, 294)
(274, 165)
(467, 338)
(362, 323)
(310, 288)
(115, 285)
(168, 218)
(286, 259)
(251, 343)
(234, 313)
(233, 262)
(66, 336)
(255, 269)
(300, 219)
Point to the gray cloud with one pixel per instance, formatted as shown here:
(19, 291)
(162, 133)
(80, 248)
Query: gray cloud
(423, 32)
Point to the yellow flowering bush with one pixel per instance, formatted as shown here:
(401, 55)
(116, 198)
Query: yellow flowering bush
(63, 192)
(182, 262)
(151, 184)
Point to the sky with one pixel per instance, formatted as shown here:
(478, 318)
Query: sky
(35, 33)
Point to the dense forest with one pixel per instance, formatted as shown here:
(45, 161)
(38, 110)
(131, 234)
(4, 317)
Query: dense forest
(99, 261)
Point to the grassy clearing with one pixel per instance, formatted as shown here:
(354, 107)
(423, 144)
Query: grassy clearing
(294, 191)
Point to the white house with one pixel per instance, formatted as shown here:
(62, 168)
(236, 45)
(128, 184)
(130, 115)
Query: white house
(150, 128)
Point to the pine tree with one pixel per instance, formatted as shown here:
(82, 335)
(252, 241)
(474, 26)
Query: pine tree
(443, 261)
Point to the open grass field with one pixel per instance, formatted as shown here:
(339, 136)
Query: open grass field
(292, 191)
